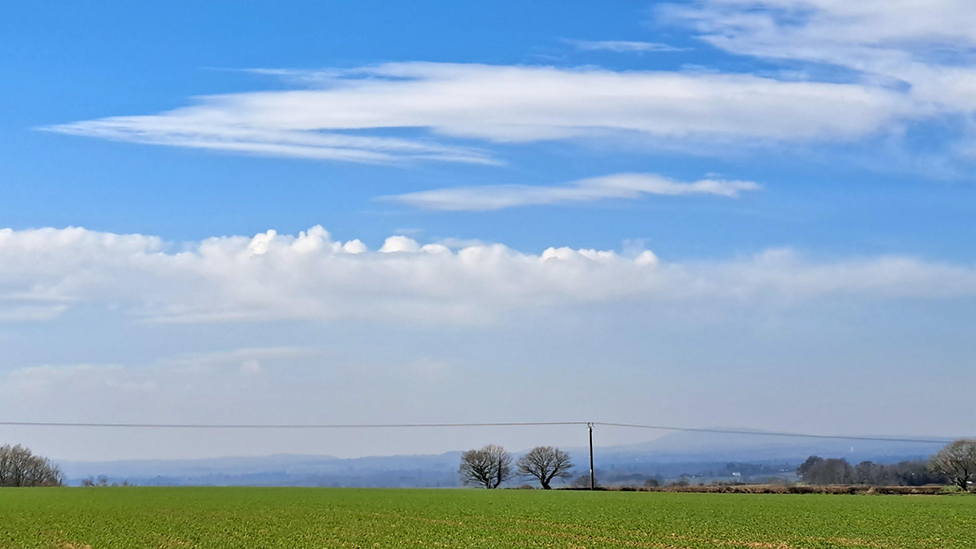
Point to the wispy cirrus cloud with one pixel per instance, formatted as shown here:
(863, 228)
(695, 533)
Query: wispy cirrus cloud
(924, 47)
(193, 128)
(906, 61)
(339, 115)
(618, 186)
(246, 361)
(623, 46)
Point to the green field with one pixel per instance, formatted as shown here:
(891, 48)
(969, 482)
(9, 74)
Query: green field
(129, 518)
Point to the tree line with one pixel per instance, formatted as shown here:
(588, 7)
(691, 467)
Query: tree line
(817, 470)
(490, 466)
(954, 464)
(19, 467)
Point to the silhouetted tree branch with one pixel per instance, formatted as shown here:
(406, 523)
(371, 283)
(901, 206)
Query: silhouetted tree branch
(545, 463)
(20, 467)
(489, 467)
(957, 461)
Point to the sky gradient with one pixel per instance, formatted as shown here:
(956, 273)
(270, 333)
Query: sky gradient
(716, 213)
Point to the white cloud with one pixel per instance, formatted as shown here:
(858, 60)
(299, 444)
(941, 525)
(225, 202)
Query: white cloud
(250, 367)
(926, 45)
(889, 23)
(33, 379)
(904, 61)
(216, 126)
(620, 186)
(506, 104)
(147, 378)
(248, 358)
(272, 276)
(622, 46)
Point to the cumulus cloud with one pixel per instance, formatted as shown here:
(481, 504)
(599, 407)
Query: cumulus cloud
(311, 276)
(330, 117)
(620, 186)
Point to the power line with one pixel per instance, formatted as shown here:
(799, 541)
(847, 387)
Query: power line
(773, 433)
(460, 425)
(284, 425)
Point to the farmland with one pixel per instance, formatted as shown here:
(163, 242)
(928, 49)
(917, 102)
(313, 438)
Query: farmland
(308, 517)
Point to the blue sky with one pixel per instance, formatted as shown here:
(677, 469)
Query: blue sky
(708, 198)
(68, 63)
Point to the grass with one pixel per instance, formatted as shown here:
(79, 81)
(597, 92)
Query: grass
(293, 518)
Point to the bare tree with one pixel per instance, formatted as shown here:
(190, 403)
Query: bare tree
(489, 467)
(4, 465)
(545, 463)
(957, 461)
(20, 467)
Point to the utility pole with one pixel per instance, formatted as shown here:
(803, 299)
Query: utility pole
(589, 426)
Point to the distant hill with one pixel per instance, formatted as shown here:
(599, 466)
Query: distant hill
(693, 446)
(279, 470)
(681, 453)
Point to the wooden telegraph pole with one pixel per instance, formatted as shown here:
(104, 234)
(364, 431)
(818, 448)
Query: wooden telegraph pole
(592, 478)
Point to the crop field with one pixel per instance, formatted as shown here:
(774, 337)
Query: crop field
(130, 518)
